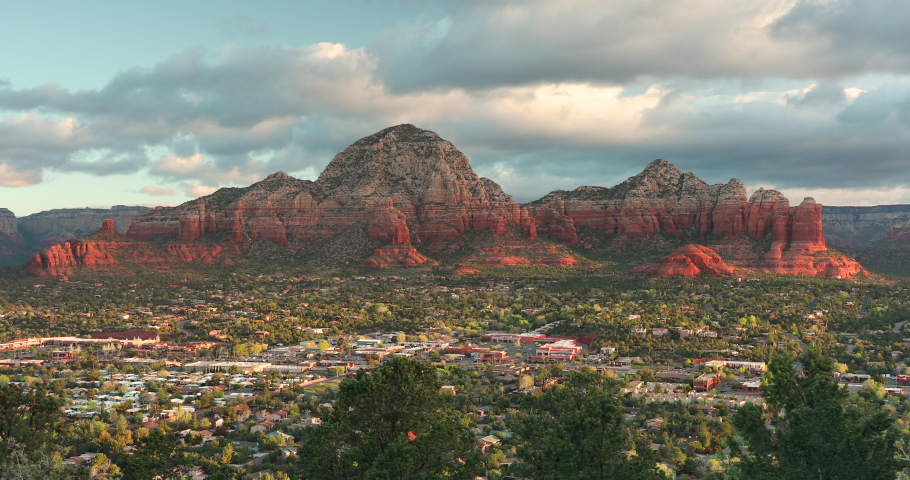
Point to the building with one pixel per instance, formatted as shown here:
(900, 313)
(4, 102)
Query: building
(706, 382)
(130, 337)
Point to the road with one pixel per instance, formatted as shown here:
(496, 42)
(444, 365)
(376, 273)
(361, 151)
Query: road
(186, 333)
(798, 366)
(865, 306)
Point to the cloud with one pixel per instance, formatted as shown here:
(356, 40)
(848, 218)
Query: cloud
(197, 189)
(156, 191)
(479, 45)
(221, 170)
(10, 176)
(539, 94)
(816, 95)
(105, 162)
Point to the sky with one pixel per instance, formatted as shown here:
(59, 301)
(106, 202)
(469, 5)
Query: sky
(156, 103)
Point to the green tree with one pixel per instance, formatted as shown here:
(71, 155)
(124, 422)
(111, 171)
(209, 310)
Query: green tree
(390, 423)
(525, 381)
(158, 457)
(577, 430)
(29, 418)
(816, 431)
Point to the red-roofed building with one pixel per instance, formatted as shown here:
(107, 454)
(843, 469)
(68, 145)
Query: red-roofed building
(131, 337)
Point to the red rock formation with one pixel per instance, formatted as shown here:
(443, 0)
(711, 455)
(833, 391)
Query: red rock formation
(61, 259)
(407, 186)
(689, 260)
(462, 269)
(662, 200)
(107, 227)
(396, 255)
(407, 190)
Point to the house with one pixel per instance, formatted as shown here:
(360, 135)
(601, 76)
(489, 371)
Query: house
(655, 423)
(288, 452)
(285, 437)
(263, 427)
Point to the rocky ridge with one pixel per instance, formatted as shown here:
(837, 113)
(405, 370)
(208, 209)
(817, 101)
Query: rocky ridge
(12, 244)
(857, 227)
(21, 237)
(403, 185)
(662, 200)
(404, 195)
(106, 248)
(58, 225)
(689, 260)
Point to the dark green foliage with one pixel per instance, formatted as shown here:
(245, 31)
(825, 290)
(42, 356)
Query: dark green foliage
(29, 418)
(158, 457)
(816, 432)
(390, 423)
(577, 431)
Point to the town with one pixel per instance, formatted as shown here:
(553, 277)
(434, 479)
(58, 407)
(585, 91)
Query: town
(245, 367)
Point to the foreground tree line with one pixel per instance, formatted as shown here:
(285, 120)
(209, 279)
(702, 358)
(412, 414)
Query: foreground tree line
(393, 423)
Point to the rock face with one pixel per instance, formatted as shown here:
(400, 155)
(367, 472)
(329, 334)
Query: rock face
(689, 260)
(9, 224)
(854, 227)
(12, 245)
(662, 200)
(403, 185)
(61, 259)
(899, 233)
(69, 223)
(404, 195)
(22, 237)
(106, 248)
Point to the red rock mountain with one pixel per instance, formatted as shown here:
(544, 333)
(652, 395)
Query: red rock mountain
(689, 260)
(400, 187)
(404, 194)
(662, 200)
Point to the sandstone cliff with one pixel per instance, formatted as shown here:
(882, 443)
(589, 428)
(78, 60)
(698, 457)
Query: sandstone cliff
(689, 260)
(761, 232)
(855, 227)
(404, 195)
(55, 226)
(403, 186)
(108, 249)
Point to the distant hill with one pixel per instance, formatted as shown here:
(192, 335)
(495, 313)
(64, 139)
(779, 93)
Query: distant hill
(25, 236)
(851, 227)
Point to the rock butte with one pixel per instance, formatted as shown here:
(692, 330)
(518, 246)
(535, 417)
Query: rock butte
(405, 191)
(689, 260)
(664, 200)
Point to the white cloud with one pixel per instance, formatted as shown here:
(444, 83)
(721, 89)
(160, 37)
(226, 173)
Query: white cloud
(846, 196)
(157, 191)
(852, 93)
(12, 177)
(197, 189)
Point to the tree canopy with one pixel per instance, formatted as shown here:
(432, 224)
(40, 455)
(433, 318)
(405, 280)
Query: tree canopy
(391, 423)
(577, 430)
(816, 431)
